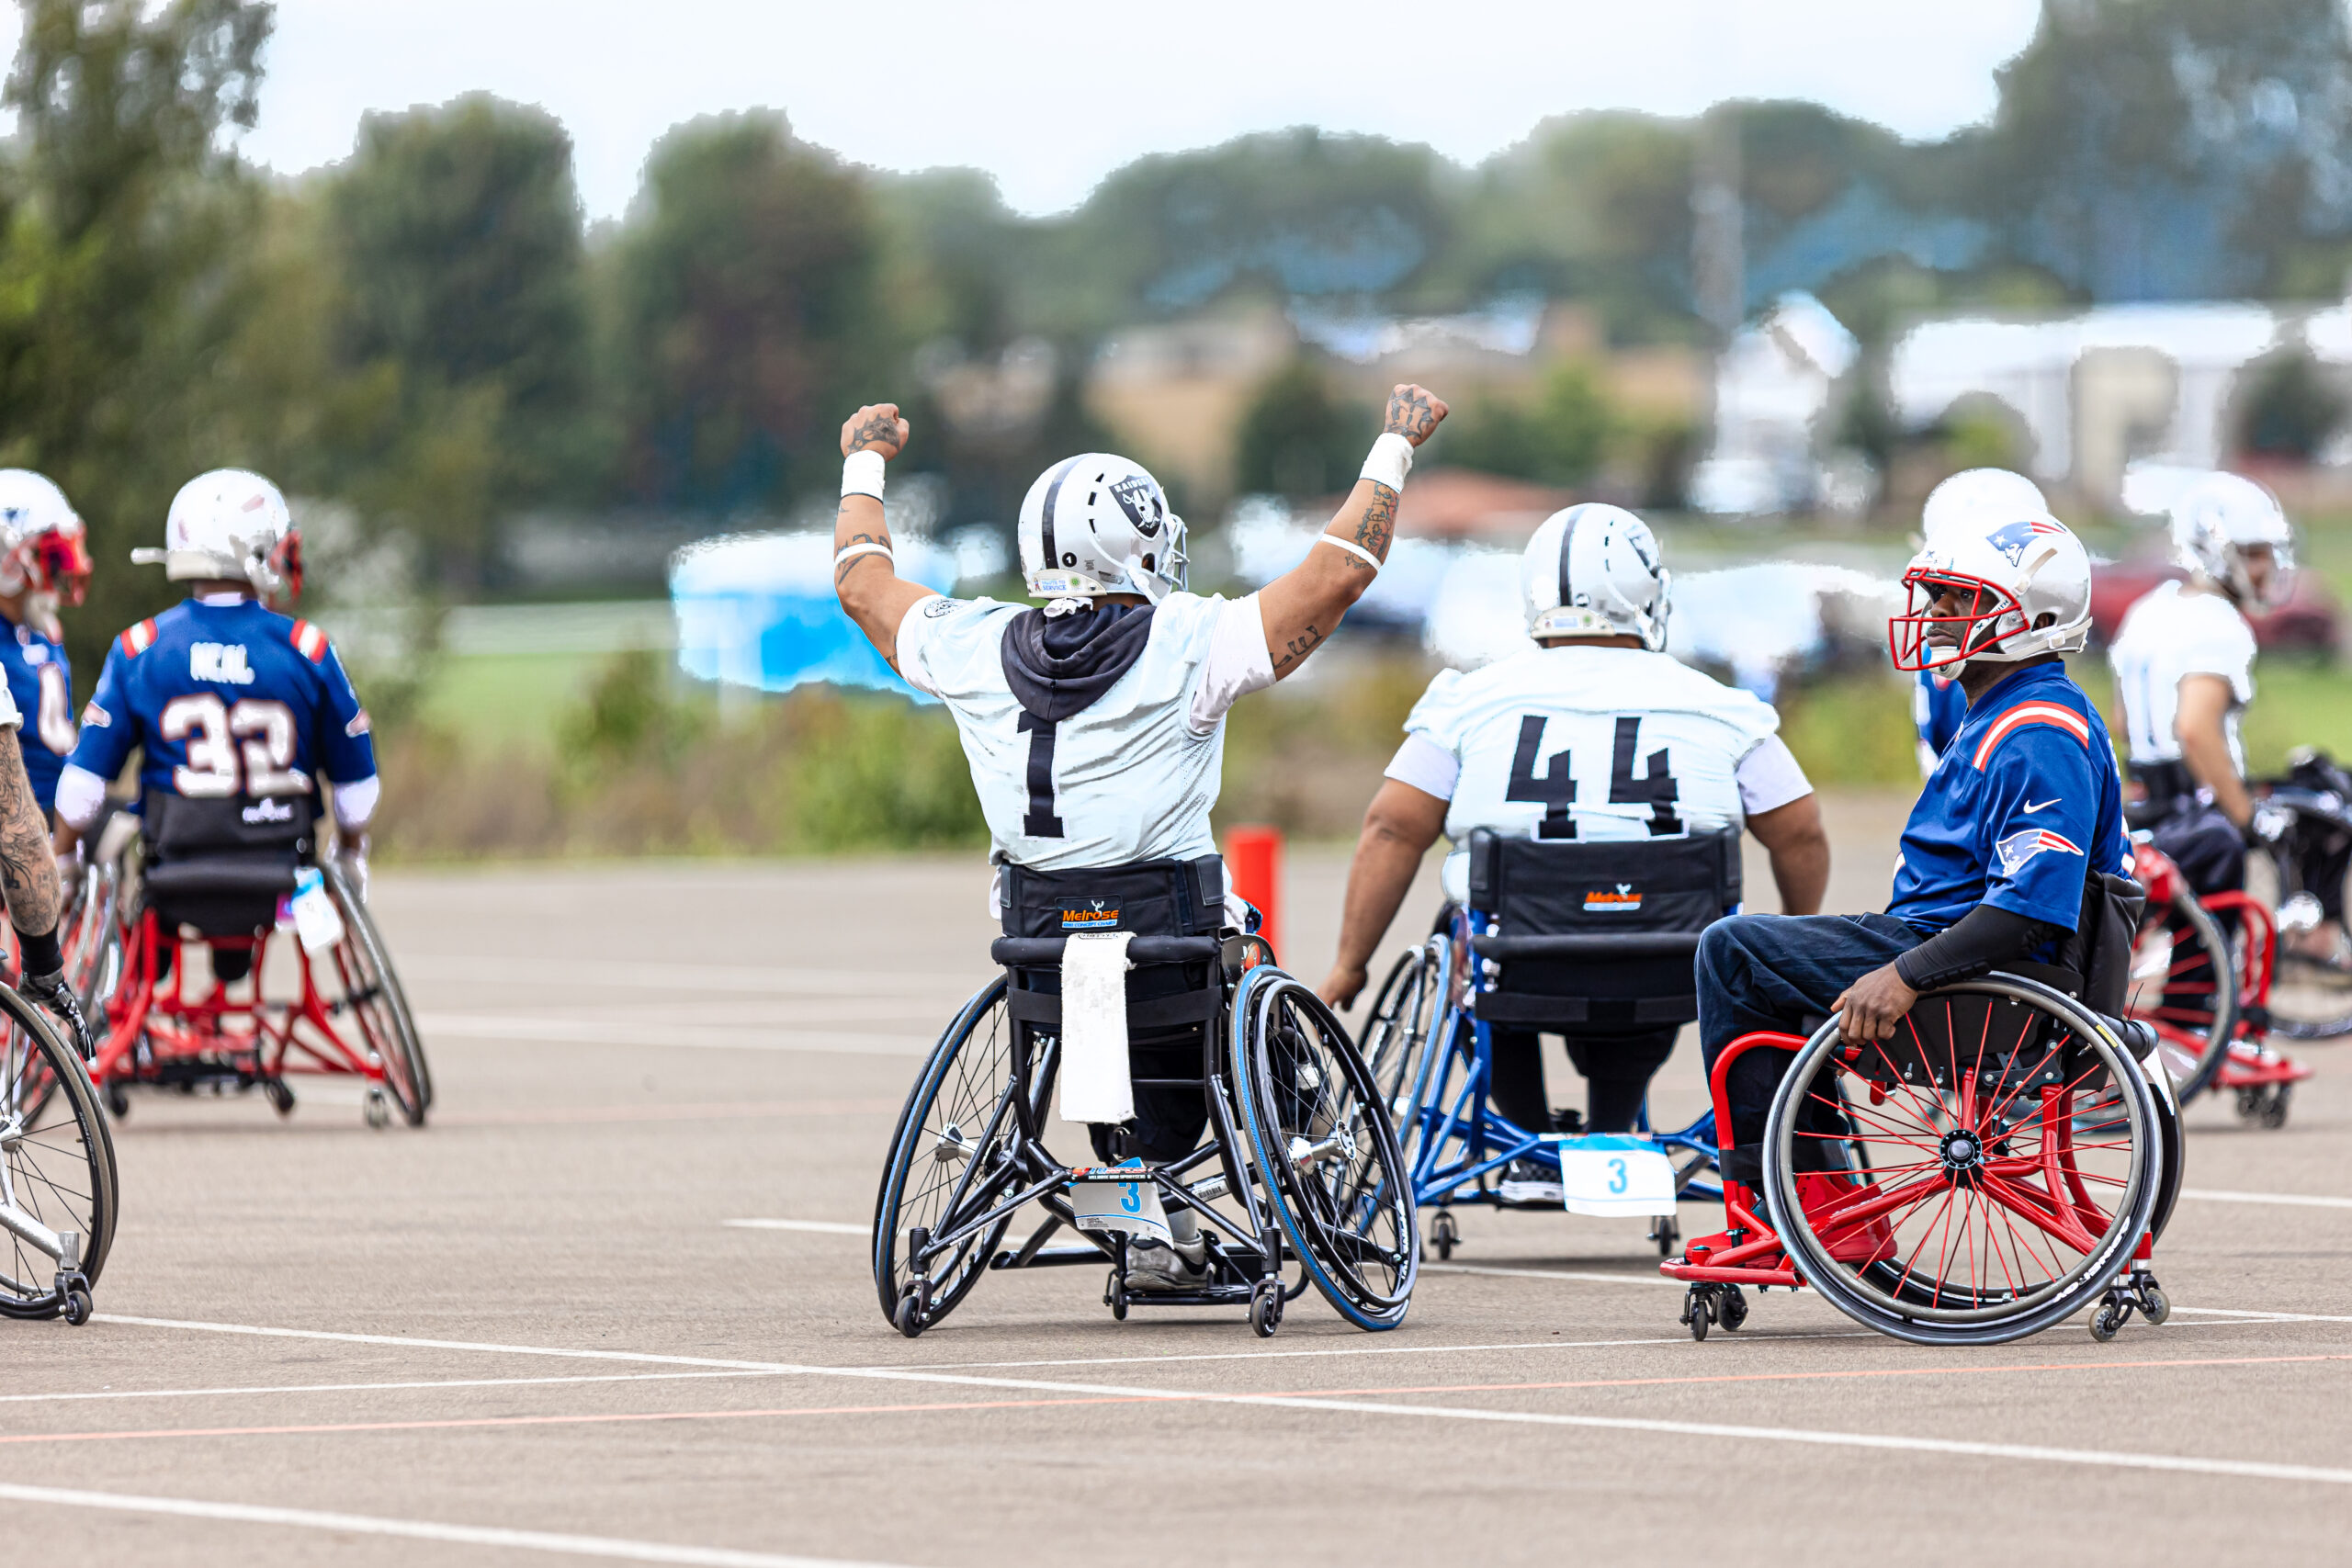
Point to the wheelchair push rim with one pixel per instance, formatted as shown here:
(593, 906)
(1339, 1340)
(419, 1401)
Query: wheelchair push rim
(954, 1147)
(1405, 1013)
(1987, 1209)
(1315, 1119)
(57, 1164)
(2184, 985)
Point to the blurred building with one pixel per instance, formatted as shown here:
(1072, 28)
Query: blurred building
(1778, 388)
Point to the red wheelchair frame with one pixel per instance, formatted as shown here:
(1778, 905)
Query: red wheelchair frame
(2261, 1075)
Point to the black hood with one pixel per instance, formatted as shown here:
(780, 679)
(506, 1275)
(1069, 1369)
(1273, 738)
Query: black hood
(1058, 667)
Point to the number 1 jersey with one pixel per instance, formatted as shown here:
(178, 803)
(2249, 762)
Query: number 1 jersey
(226, 700)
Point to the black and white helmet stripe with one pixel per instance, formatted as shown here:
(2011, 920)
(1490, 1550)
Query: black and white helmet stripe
(1595, 570)
(1098, 523)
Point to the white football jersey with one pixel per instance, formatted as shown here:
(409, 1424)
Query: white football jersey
(2173, 632)
(1132, 776)
(1593, 743)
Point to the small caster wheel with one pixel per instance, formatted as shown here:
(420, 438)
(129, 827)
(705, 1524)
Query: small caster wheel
(118, 1102)
(1444, 1234)
(1668, 1235)
(1731, 1308)
(76, 1308)
(2105, 1321)
(280, 1095)
(2155, 1305)
(1702, 1316)
(2274, 1110)
(2249, 1103)
(378, 1109)
(1265, 1308)
(908, 1318)
(1115, 1296)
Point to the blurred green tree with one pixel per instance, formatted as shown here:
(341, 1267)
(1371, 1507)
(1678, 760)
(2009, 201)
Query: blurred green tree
(1558, 438)
(1299, 439)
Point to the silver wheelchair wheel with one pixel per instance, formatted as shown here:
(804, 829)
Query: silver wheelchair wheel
(2184, 984)
(371, 996)
(58, 1190)
(1998, 1163)
(1404, 1012)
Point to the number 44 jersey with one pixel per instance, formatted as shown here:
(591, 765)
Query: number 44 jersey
(226, 700)
(1592, 743)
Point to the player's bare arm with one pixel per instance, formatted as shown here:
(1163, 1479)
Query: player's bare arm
(864, 576)
(27, 867)
(1798, 844)
(1303, 606)
(1399, 829)
(2204, 746)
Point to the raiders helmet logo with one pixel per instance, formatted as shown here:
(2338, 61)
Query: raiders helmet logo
(1139, 499)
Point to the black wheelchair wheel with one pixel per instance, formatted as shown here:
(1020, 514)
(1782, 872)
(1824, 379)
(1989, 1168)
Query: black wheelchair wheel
(372, 997)
(57, 1167)
(952, 1156)
(2185, 985)
(1315, 1120)
(2310, 996)
(2016, 1153)
(1404, 1011)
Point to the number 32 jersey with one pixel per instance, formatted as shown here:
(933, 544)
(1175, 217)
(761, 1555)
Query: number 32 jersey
(1592, 743)
(226, 700)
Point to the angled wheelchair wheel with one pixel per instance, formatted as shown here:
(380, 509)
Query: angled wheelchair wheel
(953, 1158)
(2184, 984)
(91, 939)
(2311, 996)
(371, 995)
(1396, 1040)
(57, 1172)
(1316, 1120)
(1981, 1175)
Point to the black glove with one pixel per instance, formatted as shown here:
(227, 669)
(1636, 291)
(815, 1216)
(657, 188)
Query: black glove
(51, 992)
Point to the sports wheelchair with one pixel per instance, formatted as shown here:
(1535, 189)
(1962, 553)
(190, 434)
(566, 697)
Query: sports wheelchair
(2007, 1159)
(57, 1171)
(1296, 1162)
(198, 889)
(2207, 995)
(2312, 995)
(1593, 941)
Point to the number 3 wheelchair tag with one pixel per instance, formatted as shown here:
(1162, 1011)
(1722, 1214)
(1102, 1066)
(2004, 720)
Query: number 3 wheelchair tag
(1610, 1173)
(1130, 1206)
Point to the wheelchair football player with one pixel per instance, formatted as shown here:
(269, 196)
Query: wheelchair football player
(1259, 1139)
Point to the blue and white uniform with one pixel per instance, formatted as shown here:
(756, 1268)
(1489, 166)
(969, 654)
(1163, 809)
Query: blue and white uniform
(1939, 707)
(41, 682)
(224, 698)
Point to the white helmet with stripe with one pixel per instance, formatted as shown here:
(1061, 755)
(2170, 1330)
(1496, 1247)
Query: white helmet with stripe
(1973, 495)
(231, 525)
(1595, 570)
(1100, 523)
(2215, 521)
(2024, 589)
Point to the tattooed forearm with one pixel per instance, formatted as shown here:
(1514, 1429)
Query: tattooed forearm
(876, 536)
(1378, 527)
(28, 865)
(1296, 648)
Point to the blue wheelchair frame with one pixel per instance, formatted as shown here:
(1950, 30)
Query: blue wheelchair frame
(1454, 1138)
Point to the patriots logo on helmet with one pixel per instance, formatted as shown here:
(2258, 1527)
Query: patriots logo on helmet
(2021, 847)
(1139, 499)
(2012, 540)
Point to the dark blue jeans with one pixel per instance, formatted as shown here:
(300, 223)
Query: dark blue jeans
(1777, 972)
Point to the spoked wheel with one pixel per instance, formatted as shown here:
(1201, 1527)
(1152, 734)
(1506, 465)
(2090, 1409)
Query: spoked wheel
(2310, 985)
(1314, 1118)
(2013, 1163)
(57, 1171)
(371, 997)
(1394, 1051)
(2185, 985)
(953, 1158)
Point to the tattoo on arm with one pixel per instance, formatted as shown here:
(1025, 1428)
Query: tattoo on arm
(27, 866)
(1411, 413)
(842, 571)
(1377, 527)
(1298, 647)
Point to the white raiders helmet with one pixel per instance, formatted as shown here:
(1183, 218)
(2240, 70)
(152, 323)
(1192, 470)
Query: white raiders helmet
(231, 525)
(1974, 494)
(1100, 523)
(2025, 587)
(1595, 570)
(2216, 519)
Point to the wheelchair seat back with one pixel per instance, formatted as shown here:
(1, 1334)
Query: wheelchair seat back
(221, 865)
(1176, 909)
(1598, 936)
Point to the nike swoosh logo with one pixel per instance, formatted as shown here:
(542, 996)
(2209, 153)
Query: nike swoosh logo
(2029, 808)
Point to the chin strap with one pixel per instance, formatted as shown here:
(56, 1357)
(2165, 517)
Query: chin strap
(1071, 606)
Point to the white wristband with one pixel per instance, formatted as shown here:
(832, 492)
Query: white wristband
(851, 552)
(862, 474)
(1351, 547)
(1391, 460)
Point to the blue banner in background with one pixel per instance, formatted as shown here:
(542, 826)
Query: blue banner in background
(758, 609)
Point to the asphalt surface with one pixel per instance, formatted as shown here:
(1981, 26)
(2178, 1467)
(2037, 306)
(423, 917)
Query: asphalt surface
(616, 1303)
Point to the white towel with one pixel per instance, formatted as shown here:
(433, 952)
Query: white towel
(1097, 1084)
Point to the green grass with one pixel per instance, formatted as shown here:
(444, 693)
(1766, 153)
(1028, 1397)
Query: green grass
(512, 700)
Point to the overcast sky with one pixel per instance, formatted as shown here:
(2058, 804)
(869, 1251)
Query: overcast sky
(1048, 96)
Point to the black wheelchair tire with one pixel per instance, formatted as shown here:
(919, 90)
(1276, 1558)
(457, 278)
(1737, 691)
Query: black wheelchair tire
(2223, 1027)
(411, 1088)
(66, 1080)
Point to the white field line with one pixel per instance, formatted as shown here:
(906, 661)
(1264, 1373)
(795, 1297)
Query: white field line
(714, 1037)
(2266, 1316)
(416, 1530)
(828, 1227)
(686, 978)
(1879, 1442)
(365, 1387)
(2292, 1199)
(1592, 1275)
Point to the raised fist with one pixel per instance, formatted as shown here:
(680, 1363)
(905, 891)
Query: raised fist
(1413, 413)
(877, 427)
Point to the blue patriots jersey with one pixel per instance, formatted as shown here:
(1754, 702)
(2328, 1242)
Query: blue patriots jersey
(1938, 706)
(226, 700)
(43, 683)
(2025, 803)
